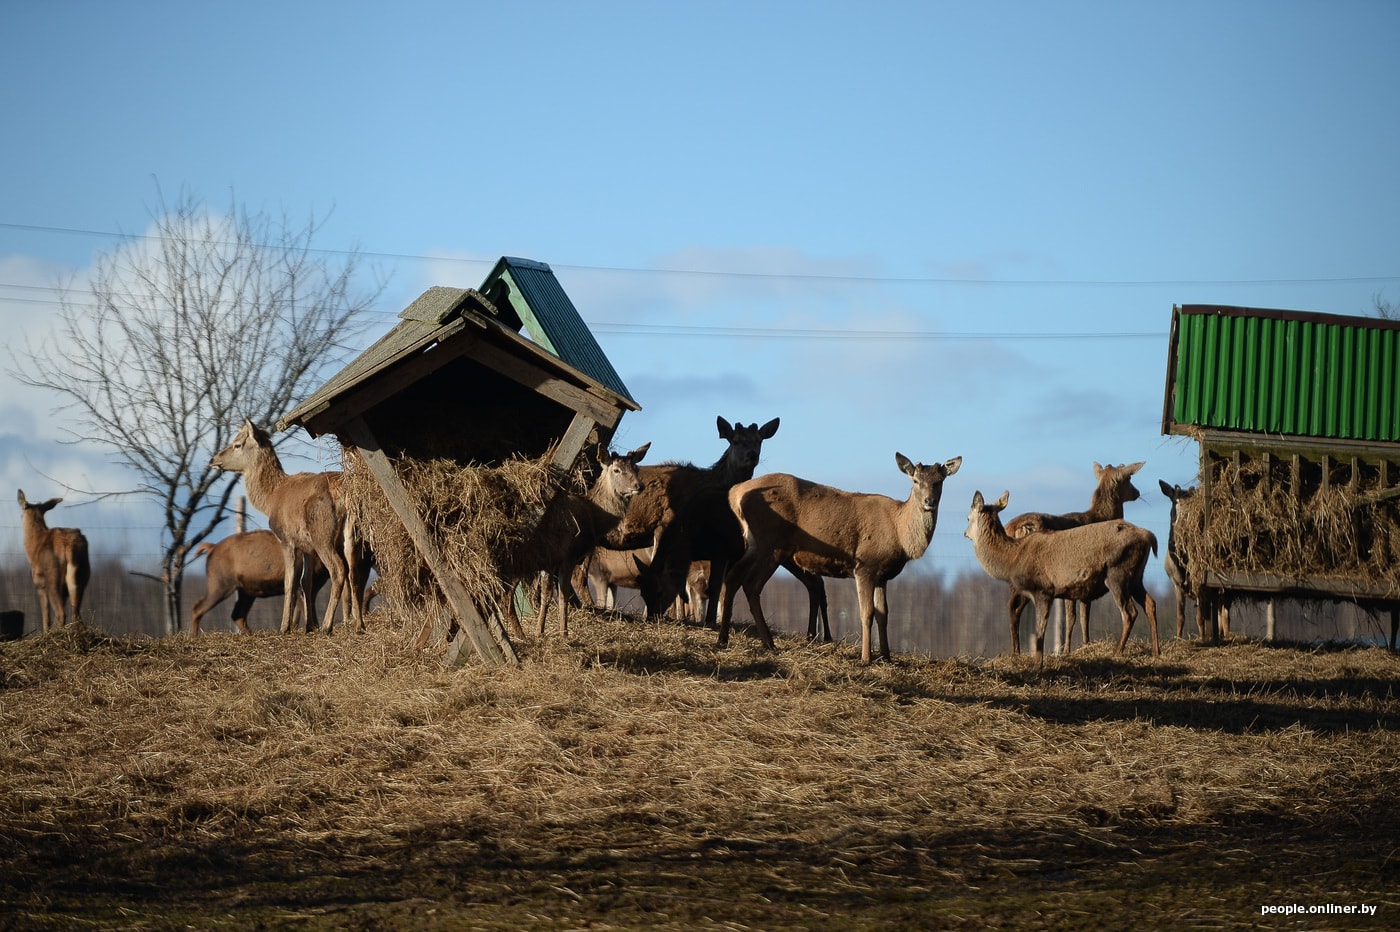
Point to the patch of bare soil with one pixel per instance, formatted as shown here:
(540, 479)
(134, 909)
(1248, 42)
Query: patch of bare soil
(635, 776)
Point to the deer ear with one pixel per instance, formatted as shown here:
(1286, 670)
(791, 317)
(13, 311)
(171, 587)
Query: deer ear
(23, 502)
(768, 430)
(952, 465)
(977, 501)
(905, 466)
(1134, 467)
(636, 455)
(1005, 497)
(726, 432)
(1166, 489)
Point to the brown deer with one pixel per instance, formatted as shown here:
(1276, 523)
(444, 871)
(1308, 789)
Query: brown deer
(58, 563)
(1176, 564)
(573, 525)
(1082, 562)
(302, 511)
(827, 532)
(681, 515)
(1114, 487)
(250, 564)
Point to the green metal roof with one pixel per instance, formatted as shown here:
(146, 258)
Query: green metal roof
(528, 291)
(1283, 372)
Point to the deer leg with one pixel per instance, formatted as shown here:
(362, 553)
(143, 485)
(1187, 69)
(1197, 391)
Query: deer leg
(1180, 612)
(289, 585)
(1016, 606)
(561, 597)
(75, 594)
(865, 597)
(44, 609)
(882, 617)
(1150, 606)
(753, 589)
(335, 564)
(1128, 607)
(1042, 619)
(241, 606)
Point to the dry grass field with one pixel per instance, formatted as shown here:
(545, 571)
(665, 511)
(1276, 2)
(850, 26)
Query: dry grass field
(635, 777)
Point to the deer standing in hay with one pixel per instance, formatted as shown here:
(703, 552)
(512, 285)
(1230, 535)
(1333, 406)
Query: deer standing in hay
(573, 525)
(303, 511)
(1113, 488)
(828, 532)
(250, 564)
(681, 514)
(58, 563)
(1082, 562)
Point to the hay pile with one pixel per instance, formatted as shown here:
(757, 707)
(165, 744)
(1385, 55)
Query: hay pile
(493, 525)
(1257, 524)
(635, 777)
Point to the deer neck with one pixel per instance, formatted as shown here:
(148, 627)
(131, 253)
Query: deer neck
(263, 479)
(731, 472)
(916, 527)
(606, 501)
(35, 531)
(995, 550)
(1105, 506)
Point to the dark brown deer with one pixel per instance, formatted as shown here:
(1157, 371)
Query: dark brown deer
(58, 563)
(1083, 562)
(681, 514)
(1114, 487)
(302, 511)
(828, 532)
(250, 564)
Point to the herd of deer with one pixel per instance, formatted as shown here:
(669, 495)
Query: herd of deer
(680, 533)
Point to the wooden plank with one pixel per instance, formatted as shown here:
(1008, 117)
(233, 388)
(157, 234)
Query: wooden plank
(491, 642)
(1302, 587)
(572, 442)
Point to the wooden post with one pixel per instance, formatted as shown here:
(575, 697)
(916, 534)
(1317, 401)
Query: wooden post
(485, 633)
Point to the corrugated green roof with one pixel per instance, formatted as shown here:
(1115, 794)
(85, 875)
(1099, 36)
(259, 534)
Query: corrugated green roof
(530, 290)
(1283, 372)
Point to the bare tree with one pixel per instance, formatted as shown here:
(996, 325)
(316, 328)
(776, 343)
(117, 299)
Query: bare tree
(1384, 309)
(184, 332)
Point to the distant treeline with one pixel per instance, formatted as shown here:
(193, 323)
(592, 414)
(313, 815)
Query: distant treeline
(961, 617)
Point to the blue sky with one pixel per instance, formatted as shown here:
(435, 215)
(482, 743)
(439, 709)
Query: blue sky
(942, 229)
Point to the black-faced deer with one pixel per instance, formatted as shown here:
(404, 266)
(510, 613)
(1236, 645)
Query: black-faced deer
(682, 515)
(58, 563)
(250, 564)
(1114, 487)
(1082, 562)
(573, 525)
(302, 511)
(828, 532)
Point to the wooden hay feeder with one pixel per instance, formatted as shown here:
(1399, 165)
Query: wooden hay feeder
(456, 380)
(1298, 419)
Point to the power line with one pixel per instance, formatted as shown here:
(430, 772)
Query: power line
(806, 333)
(799, 276)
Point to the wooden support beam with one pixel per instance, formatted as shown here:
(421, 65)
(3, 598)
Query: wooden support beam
(485, 632)
(573, 440)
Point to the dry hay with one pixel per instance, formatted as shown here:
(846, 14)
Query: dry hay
(1258, 524)
(493, 525)
(637, 777)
